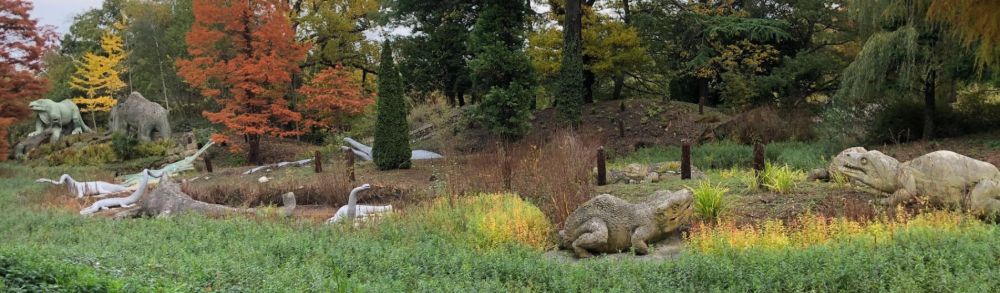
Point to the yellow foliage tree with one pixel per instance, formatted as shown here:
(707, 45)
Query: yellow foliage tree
(98, 76)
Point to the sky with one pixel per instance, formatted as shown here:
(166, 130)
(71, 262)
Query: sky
(59, 13)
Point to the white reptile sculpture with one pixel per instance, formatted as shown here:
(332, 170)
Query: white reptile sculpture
(354, 211)
(81, 189)
(365, 152)
(121, 201)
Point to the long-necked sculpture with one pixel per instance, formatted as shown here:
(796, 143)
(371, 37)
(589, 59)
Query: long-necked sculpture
(173, 168)
(945, 178)
(57, 117)
(299, 163)
(81, 189)
(168, 199)
(124, 202)
(609, 224)
(365, 152)
(353, 211)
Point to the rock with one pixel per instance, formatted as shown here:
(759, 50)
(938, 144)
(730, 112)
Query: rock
(652, 177)
(818, 174)
(636, 171)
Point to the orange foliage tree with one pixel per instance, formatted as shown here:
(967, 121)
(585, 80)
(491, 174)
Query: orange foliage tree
(332, 95)
(22, 43)
(243, 55)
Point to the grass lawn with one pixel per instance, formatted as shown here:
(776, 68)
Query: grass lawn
(53, 250)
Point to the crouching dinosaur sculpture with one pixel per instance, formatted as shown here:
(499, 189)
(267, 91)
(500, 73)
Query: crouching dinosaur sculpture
(945, 178)
(81, 189)
(57, 117)
(607, 224)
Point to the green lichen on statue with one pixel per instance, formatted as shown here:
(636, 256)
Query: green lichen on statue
(944, 178)
(57, 117)
(607, 224)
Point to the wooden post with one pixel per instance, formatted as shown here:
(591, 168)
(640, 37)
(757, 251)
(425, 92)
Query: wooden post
(686, 160)
(208, 160)
(318, 162)
(349, 159)
(602, 171)
(758, 160)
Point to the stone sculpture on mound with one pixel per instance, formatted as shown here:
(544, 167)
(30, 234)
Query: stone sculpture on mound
(56, 118)
(944, 178)
(138, 115)
(607, 224)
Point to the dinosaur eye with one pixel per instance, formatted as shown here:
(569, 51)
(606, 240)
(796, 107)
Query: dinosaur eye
(864, 161)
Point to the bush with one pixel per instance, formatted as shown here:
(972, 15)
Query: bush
(124, 145)
(781, 179)
(89, 155)
(729, 154)
(391, 148)
(154, 148)
(709, 200)
(486, 221)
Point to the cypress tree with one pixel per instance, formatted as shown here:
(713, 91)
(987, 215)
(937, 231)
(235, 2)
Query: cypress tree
(501, 70)
(391, 149)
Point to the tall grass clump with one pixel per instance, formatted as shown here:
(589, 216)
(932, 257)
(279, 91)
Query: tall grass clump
(486, 221)
(709, 200)
(781, 179)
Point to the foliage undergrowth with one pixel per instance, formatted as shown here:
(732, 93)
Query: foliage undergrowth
(22, 270)
(487, 221)
(728, 154)
(709, 200)
(781, 179)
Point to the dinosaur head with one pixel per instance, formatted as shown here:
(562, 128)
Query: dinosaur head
(40, 105)
(673, 209)
(870, 168)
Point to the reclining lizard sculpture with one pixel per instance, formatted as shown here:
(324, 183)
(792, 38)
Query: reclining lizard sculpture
(81, 189)
(607, 224)
(168, 199)
(944, 177)
(124, 202)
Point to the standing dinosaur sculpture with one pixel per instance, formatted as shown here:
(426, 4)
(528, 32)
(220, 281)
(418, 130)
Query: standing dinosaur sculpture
(124, 202)
(57, 117)
(945, 178)
(81, 189)
(353, 211)
(608, 224)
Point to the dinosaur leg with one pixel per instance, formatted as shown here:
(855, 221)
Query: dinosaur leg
(595, 237)
(900, 196)
(984, 199)
(639, 237)
(56, 133)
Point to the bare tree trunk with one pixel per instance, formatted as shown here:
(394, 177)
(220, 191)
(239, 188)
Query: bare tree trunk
(930, 104)
(254, 154)
(702, 95)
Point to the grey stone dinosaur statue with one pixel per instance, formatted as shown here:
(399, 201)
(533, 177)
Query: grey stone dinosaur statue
(607, 224)
(173, 168)
(945, 178)
(352, 211)
(87, 188)
(168, 199)
(138, 114)
(57, 117)
(365, 152)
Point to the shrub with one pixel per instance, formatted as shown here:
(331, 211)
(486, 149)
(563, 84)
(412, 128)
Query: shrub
(750, 179)
(154, 148)
(709, 200)
(781, 179)
(124, 145)
(88, 155)
(391, 149)
(486, 221)
(25, 271)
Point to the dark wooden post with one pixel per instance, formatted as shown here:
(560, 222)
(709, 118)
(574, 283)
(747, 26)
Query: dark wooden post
(208, 160)
(686, 160)
(602, 171)
(318, 162)
(349, 162)
(758, 160)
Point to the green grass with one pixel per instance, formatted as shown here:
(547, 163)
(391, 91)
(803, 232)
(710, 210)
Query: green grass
(195, 254)
(781, 179)
(727, 154)
(709, 200)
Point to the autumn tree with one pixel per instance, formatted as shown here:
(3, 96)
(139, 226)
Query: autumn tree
(331, 96)
(391, 149)
(243, 55)
(22, 43)
(98, 76)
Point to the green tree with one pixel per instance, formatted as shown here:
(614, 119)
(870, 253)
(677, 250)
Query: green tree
(391, 148)
(570, 93)
(501, 71)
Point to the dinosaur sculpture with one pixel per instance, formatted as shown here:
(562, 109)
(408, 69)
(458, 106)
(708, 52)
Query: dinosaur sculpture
(299, 163)
(57, 117)
(139, 114)
(124, 202)
(168, 199)
(607, 224)
(354, 211)
(945, 178)
(826, 174)
(81, 189)
(170, 169)
(365, 152)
